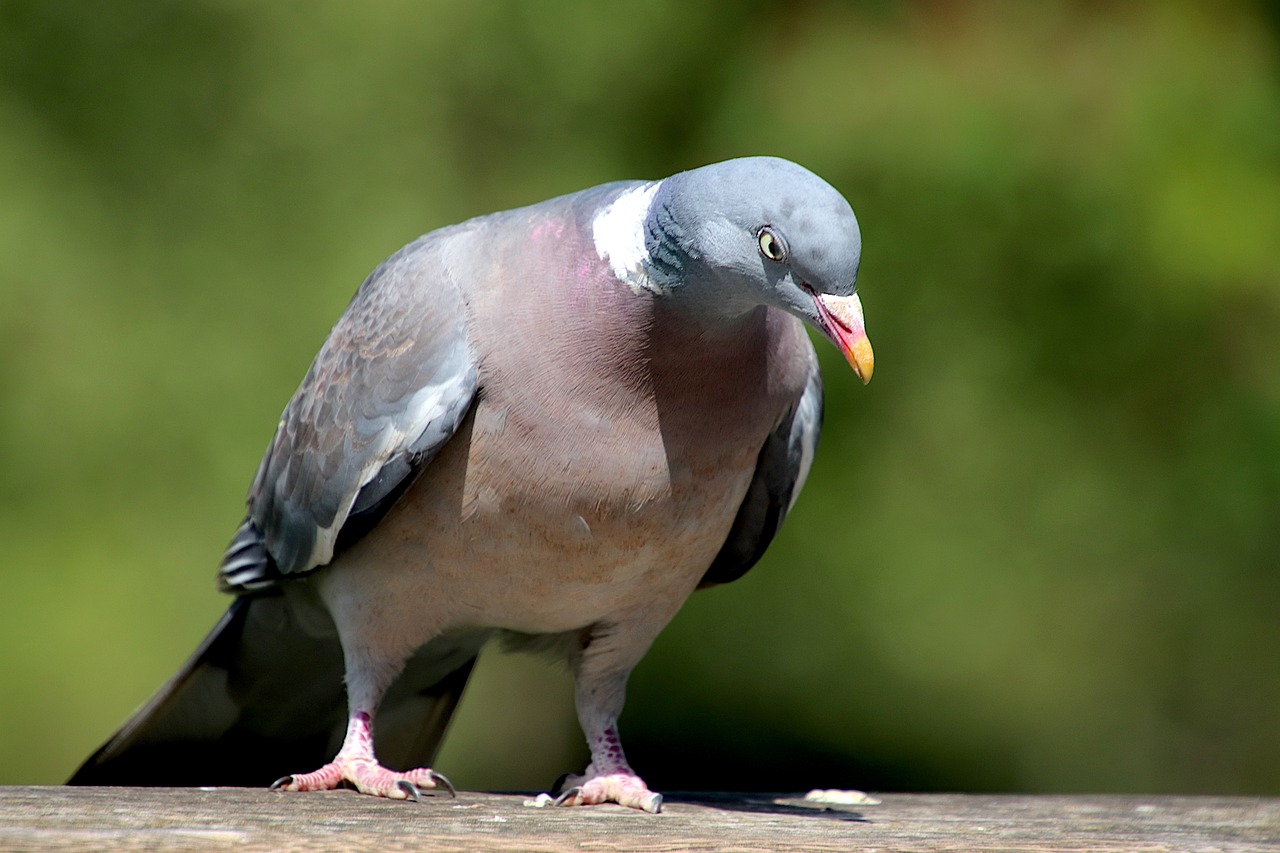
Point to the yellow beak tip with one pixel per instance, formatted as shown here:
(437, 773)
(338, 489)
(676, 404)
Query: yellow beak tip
(862, 359)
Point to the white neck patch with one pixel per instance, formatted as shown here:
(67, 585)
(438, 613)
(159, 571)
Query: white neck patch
(618, 231)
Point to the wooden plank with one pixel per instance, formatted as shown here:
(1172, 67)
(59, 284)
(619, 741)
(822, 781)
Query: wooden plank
(170, 819)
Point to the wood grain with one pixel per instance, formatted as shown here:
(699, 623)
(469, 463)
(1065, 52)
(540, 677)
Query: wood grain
(174, 819)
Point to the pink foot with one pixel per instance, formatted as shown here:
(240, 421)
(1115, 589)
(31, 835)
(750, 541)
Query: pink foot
(367, 777)
(625, 788)
(356, 766)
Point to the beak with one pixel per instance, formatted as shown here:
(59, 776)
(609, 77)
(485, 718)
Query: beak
(841, 321)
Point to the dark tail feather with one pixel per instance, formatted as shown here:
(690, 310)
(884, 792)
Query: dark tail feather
(263, 698)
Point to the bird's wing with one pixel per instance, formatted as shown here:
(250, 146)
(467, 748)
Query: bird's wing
(264, 694)
(781, 469)
(389, 387)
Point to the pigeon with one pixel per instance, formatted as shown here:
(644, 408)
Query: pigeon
(549, 425)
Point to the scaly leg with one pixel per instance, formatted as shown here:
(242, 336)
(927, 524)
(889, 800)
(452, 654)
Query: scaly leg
(608, 778)
(355, 764)
(368, 675)
(600, 676)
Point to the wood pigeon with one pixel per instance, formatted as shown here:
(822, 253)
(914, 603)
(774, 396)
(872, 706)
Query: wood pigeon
(550, 424)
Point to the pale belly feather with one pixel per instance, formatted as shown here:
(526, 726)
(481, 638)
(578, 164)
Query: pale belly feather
(498, 533)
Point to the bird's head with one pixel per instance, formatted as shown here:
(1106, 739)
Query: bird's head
(761, 230)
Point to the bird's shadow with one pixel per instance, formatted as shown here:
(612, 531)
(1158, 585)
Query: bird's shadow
(760, 803)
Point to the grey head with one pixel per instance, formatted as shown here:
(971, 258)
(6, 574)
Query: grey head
(731, 236)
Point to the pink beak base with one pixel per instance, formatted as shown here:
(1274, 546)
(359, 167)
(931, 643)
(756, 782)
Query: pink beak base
(842, 321)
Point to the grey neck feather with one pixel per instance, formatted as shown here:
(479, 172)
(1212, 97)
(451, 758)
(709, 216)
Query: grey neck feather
(679, 270)
(666, 241)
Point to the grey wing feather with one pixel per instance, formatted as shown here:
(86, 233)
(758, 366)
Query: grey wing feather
(264, 694)
(781, 469)
(389, 387)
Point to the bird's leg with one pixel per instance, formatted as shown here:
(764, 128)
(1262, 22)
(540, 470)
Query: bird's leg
(599, 695)
(608, 778)
(356, 765)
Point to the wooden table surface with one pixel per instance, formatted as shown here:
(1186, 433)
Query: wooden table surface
(171, 819)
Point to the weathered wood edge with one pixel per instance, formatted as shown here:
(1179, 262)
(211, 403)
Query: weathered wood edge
(174, 819)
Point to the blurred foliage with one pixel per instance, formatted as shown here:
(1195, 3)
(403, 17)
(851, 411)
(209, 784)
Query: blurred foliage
(1039, 553)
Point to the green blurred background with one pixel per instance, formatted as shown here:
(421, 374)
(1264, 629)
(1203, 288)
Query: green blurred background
(1039, 553)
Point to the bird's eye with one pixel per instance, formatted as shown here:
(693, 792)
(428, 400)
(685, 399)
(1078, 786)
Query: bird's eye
(771, 245)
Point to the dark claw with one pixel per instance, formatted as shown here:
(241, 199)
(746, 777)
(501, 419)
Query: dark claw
(558, 785)
(444, 782)
(566, 796)
(280, 783)
(411, 791)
